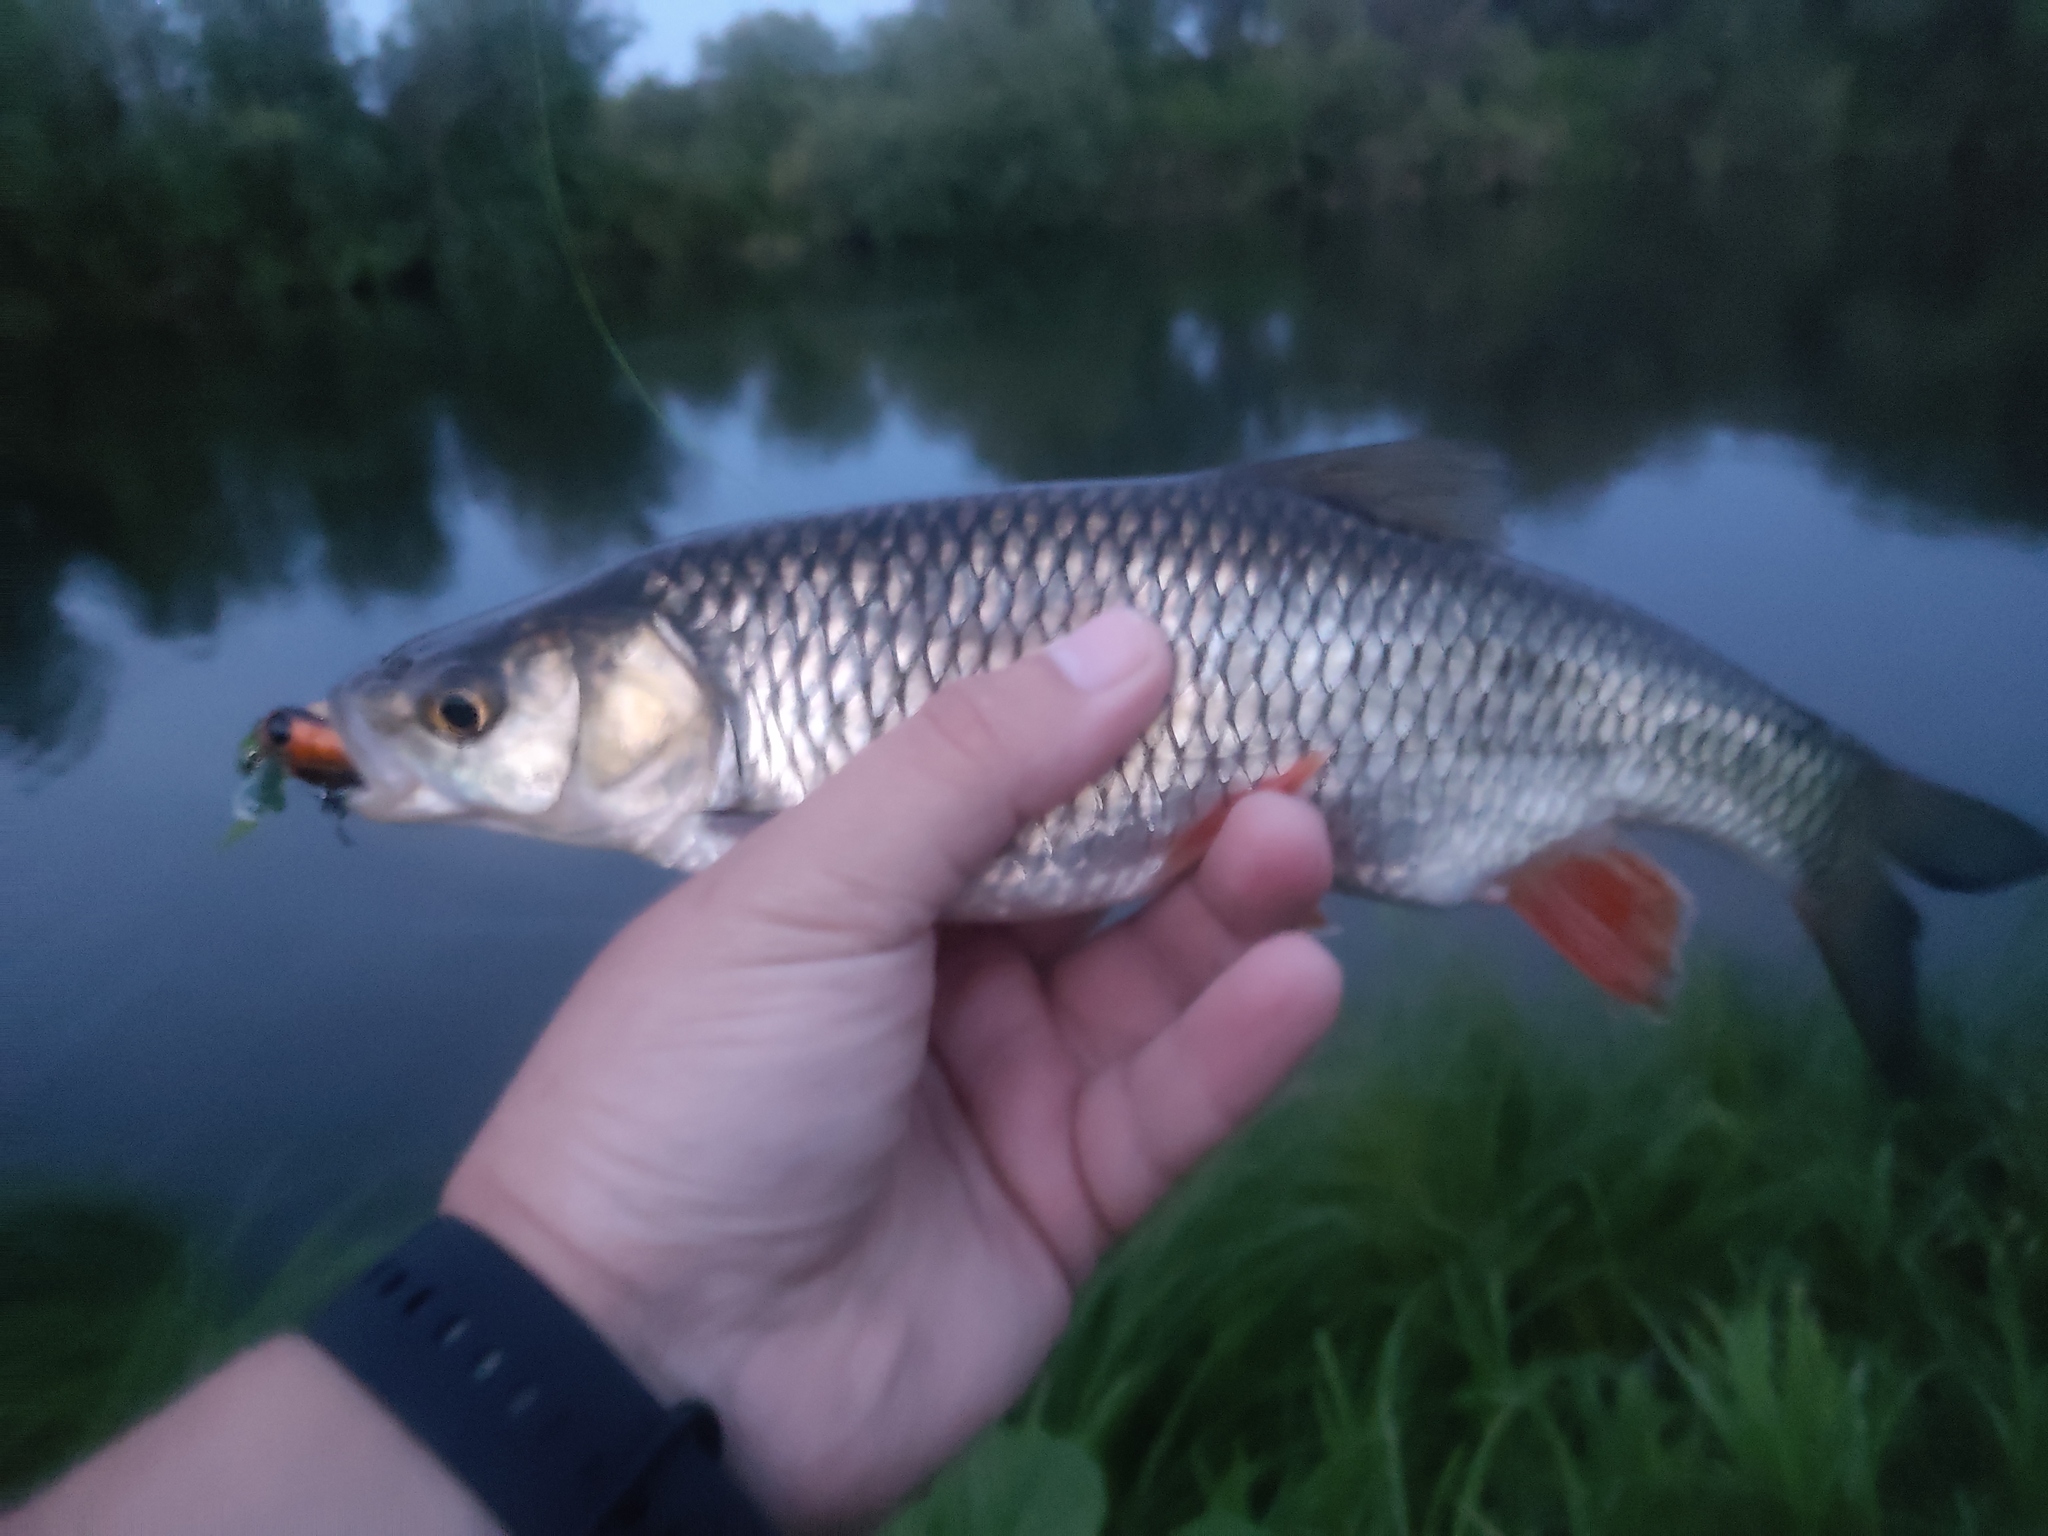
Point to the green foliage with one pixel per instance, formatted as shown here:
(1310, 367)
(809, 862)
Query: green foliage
(108, 1307)
(494, 105)
(1796, 1424)
(973, 117)
(261, 792)
(1482, 1272)
(1013, 1481)
(204, 156)
(1901, 330)
(102, 1312)
(216, 156)
(967, 119)
(1481, 1269)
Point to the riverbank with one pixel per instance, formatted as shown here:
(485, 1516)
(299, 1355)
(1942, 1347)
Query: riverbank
(1482, 1268)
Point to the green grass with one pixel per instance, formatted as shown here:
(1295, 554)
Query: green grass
(108, 1306)
(1484, 1269)
(1483, 1273)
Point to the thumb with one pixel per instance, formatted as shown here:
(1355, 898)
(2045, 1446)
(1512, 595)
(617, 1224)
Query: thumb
(885, 844)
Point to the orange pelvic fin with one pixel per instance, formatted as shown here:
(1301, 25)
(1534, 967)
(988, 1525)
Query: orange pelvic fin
(1194, 841)
(1615, 914)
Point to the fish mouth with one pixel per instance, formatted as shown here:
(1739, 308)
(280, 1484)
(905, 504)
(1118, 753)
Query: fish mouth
(383, 785)
(308, 747)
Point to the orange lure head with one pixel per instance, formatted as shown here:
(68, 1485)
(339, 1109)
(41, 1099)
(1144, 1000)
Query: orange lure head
(306, 747)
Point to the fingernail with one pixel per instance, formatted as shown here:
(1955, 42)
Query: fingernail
(1104, 651)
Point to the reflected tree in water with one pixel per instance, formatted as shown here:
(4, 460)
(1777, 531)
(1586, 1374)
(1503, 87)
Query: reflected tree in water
(1575, 332)
(193, 477)
(252, 294)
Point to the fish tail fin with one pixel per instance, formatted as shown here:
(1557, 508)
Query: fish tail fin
(1866, 930)
(1953, 842)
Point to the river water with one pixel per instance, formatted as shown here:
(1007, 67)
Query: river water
(1831, 473)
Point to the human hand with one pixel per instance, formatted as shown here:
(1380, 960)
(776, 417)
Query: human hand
(793, 1147)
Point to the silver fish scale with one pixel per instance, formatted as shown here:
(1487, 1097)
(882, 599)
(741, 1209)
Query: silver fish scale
(1473, 712)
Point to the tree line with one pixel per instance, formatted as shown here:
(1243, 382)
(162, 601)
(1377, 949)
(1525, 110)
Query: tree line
(185, 160)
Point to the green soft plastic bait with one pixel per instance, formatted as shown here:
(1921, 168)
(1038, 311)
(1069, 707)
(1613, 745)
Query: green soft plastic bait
(261, 792)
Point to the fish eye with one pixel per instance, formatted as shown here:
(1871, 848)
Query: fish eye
(462, 714)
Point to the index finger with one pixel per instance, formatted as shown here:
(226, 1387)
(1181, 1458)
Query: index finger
(1269, 868)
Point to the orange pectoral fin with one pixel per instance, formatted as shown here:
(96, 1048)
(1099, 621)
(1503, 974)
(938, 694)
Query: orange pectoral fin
(1195, 840)
(1615, 914)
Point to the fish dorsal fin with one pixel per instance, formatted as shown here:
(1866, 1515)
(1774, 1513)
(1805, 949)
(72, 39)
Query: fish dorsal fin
(1420, 485)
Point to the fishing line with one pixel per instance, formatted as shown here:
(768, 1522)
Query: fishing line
(558, 223)
(558, 220)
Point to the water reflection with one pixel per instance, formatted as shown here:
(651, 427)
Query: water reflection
(1908, 336)
(224, 468)
(1708, 409)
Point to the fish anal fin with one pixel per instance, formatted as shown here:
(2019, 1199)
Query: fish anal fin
(1616, 914)
(1194, 840)
(1421, 485)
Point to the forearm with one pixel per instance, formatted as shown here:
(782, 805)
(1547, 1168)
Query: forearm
(278, 1439)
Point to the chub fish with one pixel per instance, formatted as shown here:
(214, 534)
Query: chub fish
(1470, 728)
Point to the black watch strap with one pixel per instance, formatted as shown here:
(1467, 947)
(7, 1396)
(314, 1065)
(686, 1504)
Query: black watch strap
(522, 1401)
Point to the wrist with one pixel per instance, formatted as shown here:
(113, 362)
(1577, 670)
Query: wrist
(601, 1289)
(514, 1392)
(681, 1335)
(765, 1388)
(280, 1438)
